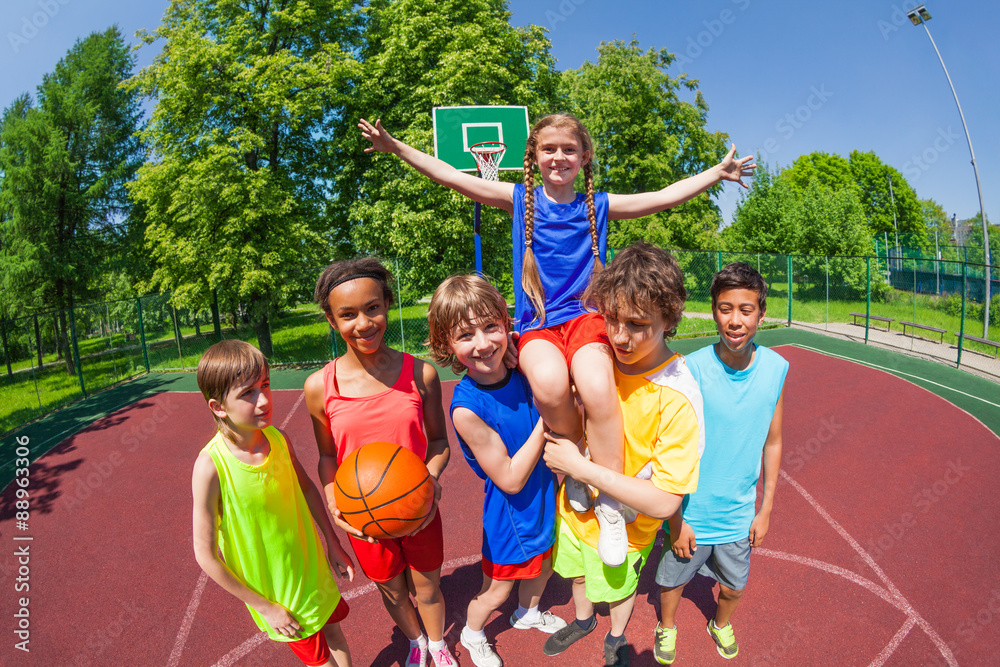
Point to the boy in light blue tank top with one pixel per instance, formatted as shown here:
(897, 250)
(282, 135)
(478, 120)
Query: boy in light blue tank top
(742, 386)
(500, 432)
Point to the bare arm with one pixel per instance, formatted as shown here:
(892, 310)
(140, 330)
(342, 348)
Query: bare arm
(340, 561)
(646, 203)
(206, 492)
(509, 473)
(772, 463)
(563, 456)
(491, 193)
(435, 428)
(314, 392)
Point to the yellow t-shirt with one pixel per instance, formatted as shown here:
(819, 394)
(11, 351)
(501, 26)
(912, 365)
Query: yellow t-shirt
(665, 424)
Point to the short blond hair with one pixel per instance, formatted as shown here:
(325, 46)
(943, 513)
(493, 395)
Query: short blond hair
(229, 364)
(453, 302)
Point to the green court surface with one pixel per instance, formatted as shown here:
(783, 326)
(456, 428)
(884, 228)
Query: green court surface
(977, 396)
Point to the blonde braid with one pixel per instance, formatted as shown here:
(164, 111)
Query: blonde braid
(531, 282)
(595, 247)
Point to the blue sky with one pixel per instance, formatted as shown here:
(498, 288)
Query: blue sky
(782, 78)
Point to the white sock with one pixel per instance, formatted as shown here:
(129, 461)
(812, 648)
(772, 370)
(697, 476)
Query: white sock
(420, 641)
(527, 615)
(470, 634)
(436, 645)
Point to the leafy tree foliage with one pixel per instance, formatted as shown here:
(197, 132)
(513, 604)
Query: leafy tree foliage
(418, 54)
(890, 203)
(646, 137)
(65, 163)
(237, 186)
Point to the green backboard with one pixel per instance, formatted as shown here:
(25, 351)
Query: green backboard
(457, 128)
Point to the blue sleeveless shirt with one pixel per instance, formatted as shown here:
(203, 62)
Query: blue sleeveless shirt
(520, 526)
(562, 247)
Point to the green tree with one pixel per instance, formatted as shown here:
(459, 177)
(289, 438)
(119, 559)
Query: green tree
(236, 191)
(889, 202)
(829, 170)
(645, 138)
(418, 54)
(65, 163)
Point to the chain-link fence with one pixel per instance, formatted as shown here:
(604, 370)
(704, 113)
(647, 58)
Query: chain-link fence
(931, 307)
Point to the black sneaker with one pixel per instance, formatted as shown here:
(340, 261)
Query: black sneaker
(566, 637)
(616, 651)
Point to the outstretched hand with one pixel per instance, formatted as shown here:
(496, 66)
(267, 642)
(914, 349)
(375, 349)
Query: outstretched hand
(382, 141)
(731, 169)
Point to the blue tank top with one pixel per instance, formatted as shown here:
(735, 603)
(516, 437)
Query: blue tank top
(562, 247)
(520, 526)
(738, 407)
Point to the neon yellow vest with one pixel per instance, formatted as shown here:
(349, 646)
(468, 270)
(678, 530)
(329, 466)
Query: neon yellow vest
(267, 536)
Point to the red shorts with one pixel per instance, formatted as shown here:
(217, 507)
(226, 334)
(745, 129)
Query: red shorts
(570, 336)
(529, 569)
(385, 559)
(314, 650)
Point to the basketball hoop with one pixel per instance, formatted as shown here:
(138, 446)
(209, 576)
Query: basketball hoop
(488, 155)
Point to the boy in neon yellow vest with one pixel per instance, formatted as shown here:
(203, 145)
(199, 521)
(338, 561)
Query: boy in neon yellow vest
(255, 505)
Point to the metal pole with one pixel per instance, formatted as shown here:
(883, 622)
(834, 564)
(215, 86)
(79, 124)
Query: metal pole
(868, 296)
(979, 189)
(76, 351)
(476, 237)
(399, 293)
(895, 228)
(961, 324)
(142, 335)
(789, 290)
(937, 265)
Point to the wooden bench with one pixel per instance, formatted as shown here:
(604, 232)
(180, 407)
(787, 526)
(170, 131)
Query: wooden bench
(984, 341)
(888, 320)
(914, 325)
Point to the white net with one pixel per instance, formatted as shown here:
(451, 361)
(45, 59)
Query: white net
(488, 155)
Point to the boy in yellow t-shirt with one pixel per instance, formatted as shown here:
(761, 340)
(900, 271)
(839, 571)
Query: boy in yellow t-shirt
(641, 296)
(255, 505)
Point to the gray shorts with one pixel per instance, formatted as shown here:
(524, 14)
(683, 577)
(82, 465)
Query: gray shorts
(729, 564)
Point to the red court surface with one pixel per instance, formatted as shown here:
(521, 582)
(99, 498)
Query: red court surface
(882, 546)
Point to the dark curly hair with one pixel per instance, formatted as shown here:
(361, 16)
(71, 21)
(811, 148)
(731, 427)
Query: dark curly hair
(642, 277)
(739, 275)
(338, 272)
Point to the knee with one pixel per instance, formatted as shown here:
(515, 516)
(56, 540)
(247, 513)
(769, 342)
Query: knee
(428, 595)
(598, 393)
(393, 597)
(729, 593)
(550, 391)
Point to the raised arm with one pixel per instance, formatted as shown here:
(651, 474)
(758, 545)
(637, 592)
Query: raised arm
(206, 492)
(509, 473)
(491, 193)
(621, 207)
(314, 392)
(771, 463)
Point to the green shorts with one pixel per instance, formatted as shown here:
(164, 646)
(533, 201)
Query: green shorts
(573, 558)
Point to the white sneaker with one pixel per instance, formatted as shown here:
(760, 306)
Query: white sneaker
(578, 494)
(442, 657)
(629, 514)
(612, 544)
(481, 653)
(417, 657)
(546, 621)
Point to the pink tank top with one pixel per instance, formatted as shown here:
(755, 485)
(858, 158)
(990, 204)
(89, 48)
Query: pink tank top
(395, 415)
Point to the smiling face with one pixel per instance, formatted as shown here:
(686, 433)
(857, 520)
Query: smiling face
(479, 345)
(246, 407)
(560, 156)
(636, 339)
(358, 312)
(737, 315)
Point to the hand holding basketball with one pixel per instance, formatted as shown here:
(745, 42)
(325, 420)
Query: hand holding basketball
(382, 141)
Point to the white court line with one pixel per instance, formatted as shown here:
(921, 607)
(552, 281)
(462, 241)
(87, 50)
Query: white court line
(853, 577)
(896, 640)
(893, 371)
(185, 629)
(256, 640)
(906, 607)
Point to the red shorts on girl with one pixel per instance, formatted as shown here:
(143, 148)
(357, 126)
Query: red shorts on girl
(385, 559)
(529, 569)
(314, 650)
(570, 336)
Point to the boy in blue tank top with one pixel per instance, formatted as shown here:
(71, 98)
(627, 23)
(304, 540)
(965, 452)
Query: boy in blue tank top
(500, 433)
(742, 387)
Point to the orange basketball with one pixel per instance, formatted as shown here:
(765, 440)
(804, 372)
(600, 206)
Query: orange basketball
(383, 490)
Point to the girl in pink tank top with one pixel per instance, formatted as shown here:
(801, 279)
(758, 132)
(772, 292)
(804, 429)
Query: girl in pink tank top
(374, 393)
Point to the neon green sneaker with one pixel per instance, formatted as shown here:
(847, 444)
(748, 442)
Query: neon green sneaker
(725, 640)
(665, 645)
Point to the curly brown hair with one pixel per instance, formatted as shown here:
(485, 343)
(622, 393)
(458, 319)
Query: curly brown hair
(739, 275)
(339, 272)
(452, 303)
(642, 277)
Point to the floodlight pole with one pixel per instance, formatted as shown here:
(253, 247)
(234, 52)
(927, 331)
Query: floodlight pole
(475, 228)
(919, 16)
